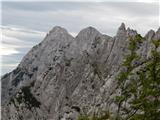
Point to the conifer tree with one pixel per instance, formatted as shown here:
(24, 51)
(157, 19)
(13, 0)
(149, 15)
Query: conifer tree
(147, 100)
(139, 98)
(125, 76)
(140, 85)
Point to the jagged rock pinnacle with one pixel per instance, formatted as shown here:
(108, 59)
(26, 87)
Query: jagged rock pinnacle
(131, 32)
(88, 30)
(157, 34)
(150, 34)
(58, 29)
(158, 31)
(122, 27)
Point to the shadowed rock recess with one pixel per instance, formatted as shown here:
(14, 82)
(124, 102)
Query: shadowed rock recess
(64, 76)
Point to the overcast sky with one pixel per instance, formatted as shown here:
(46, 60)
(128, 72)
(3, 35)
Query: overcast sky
(24, 24)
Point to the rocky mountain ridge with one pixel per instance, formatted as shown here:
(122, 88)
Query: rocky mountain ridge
(63, 77)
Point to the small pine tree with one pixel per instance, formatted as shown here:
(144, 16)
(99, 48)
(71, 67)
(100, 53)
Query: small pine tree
(125, 76)
(147, 100)
(141, 88)
(139, 85)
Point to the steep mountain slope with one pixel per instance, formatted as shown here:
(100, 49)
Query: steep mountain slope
(64, 76)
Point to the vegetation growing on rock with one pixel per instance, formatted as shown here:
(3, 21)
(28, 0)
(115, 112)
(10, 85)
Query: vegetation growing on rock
(25, 96)
(139, 98)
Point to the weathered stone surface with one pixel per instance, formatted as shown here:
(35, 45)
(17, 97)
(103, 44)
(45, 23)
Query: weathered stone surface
(68, 76)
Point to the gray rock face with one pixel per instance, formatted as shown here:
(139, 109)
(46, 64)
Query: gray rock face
(63, 77)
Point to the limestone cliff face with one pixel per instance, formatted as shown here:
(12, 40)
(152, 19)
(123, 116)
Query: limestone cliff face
(63, 76)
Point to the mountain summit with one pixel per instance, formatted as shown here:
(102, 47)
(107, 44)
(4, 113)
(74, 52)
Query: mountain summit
(63, 77)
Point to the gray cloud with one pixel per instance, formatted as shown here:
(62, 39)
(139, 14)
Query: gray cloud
(44, 6)
(44, 15)
(15, 44)
(148, 1)
(136, 8)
